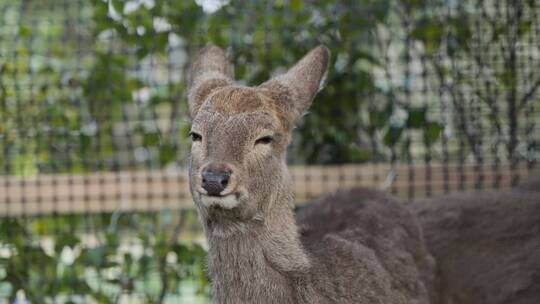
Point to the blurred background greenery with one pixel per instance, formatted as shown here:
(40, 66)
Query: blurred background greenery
(93, 85)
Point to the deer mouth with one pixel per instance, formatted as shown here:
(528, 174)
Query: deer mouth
(228, 201)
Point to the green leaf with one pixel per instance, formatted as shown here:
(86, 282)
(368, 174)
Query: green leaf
(379, 119)
(429, 31)
(25, 31)
(417, 118)
(297, 5)
(151, 139)
(185, 255)
(167, 154)
(118, 6)
(95, 257)
(66, 240)
(392, 136)
(433, 131)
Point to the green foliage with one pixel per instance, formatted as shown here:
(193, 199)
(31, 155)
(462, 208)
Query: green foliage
(101, 86)
(134, 254)
(110, 90)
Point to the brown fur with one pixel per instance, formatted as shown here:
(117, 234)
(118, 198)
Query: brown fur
(368, 249)
(387, 238)
(530, 183)
(487, 246)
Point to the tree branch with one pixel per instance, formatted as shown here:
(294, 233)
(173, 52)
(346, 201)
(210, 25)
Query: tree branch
(490, 97)
(525, 98)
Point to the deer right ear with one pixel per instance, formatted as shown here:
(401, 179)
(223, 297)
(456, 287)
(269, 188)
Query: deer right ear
(294, 90)
(209, 71)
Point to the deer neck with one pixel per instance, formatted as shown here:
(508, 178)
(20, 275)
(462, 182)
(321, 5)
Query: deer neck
(261, 259)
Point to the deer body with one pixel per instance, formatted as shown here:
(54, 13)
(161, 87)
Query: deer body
(487, 245)
(241, 187)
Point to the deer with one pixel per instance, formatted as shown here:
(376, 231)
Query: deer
(530, 183)
(486, 244)
(352, 246)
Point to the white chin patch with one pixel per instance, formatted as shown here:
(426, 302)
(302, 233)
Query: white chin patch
(225, 202)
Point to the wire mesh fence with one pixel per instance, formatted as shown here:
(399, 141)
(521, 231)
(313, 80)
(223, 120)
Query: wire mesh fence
(423, 97)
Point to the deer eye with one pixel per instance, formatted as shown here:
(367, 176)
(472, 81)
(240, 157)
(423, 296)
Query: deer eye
(264, 140)
(195, 136)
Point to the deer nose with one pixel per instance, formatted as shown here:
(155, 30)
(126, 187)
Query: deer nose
(215, 179)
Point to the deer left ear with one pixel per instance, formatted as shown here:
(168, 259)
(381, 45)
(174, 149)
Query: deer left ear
(209, 71)
(294, 91)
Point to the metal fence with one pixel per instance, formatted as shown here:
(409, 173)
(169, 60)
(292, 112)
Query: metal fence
(423, 97)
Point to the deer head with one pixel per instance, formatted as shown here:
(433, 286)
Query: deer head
(240, 134)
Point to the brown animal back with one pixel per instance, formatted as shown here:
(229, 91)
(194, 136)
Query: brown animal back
(530, 183)
(381, 230)
(487, 246)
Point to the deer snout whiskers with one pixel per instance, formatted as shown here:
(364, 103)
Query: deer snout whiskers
(218, 186)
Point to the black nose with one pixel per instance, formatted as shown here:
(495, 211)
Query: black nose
(215, 180)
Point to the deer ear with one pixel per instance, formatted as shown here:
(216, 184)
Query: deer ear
(209, 71)
(294, 90)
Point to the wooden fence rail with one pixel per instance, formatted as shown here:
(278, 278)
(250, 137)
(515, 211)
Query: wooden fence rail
(155, 190)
